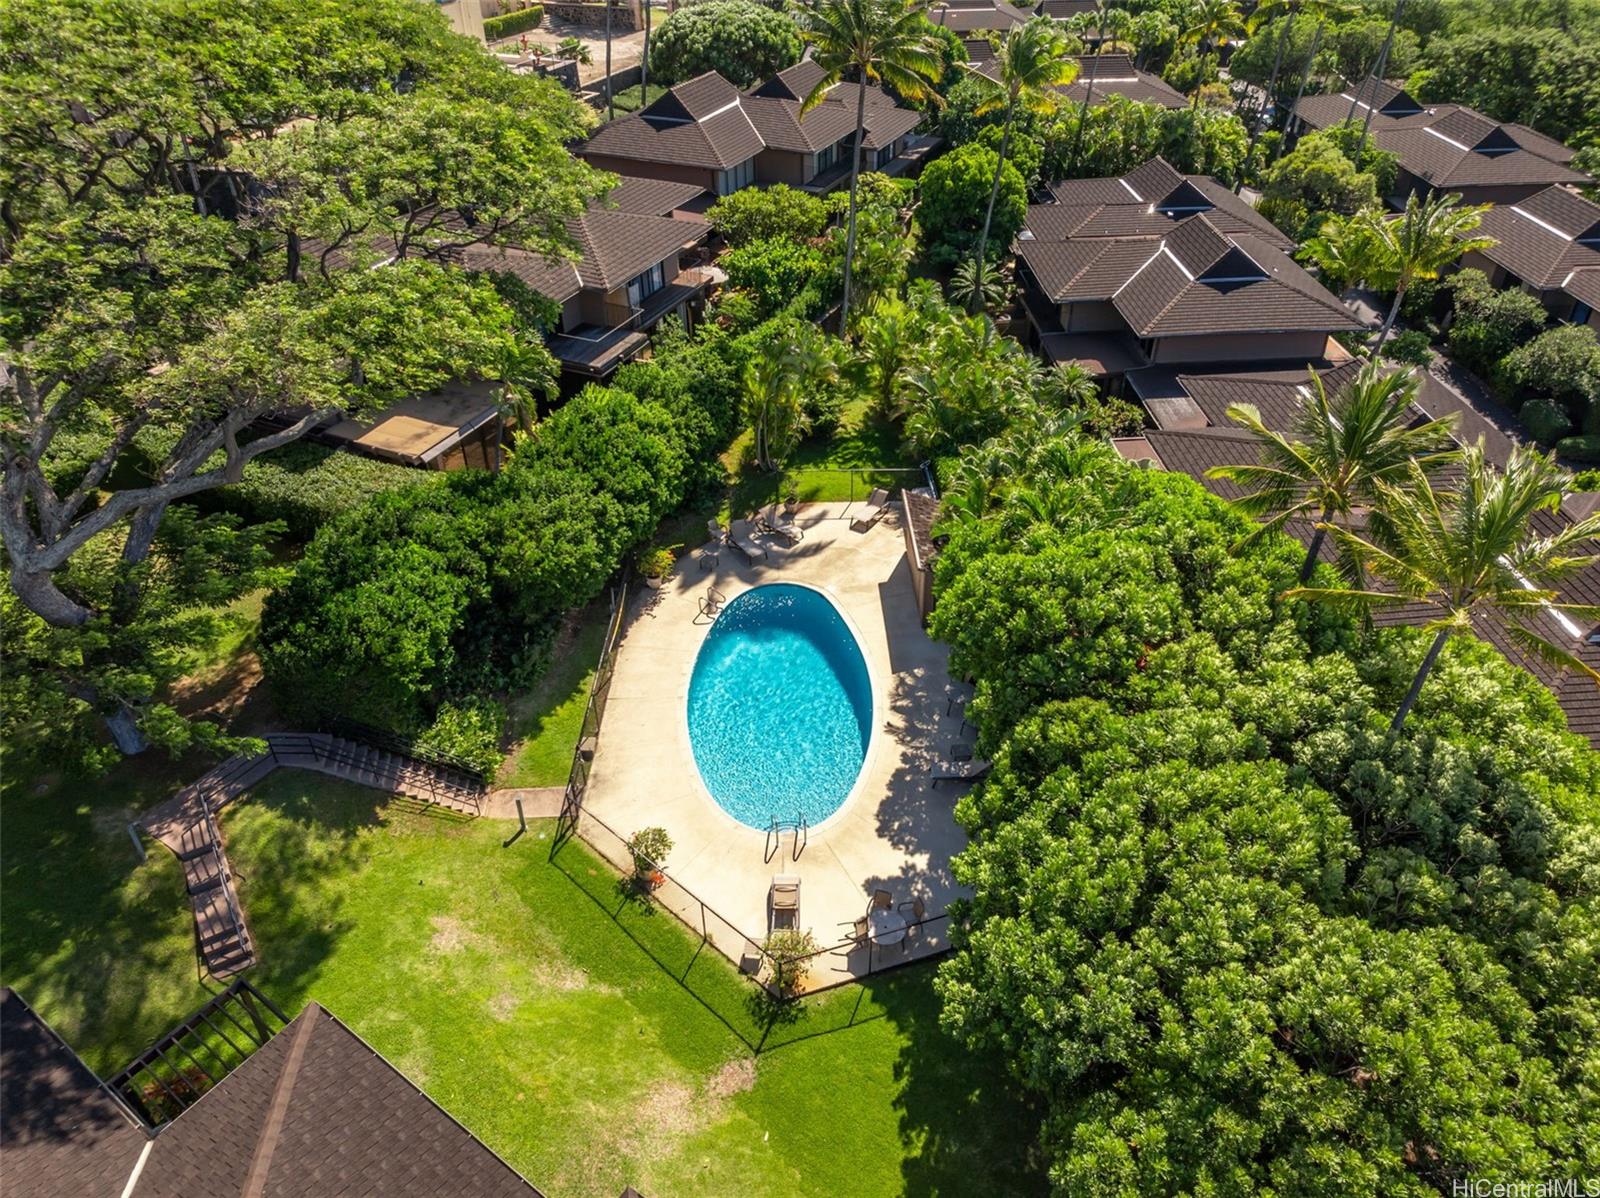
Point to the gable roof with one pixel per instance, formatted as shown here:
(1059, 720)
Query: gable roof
(1175, 255)
(706, 122)
(614, 244)
(1544, 238)
(984, 16)
(61, 1131)
(314, 1110)
(1445, 145)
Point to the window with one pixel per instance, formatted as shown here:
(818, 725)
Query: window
(732, 180)
(642, 287)
(885, 156)
(1580, 313)
(826, 158)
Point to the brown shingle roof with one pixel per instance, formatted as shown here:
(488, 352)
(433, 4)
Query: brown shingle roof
(315, 1111)
(61, 1132)
(1538, 238)
(650, 197)
(1111, 74)
(1446, 145)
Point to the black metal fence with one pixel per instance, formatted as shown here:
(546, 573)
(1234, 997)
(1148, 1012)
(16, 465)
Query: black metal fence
(593, 713)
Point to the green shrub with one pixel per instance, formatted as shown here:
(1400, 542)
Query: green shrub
(742, 41)
(789, 951)
(1489, 324)
(1411, 347)
(509, 23)
(1587, 480)
(468, 731)
(955, 193)
(649, 847)
(1582, 449)
(762, 213)
(774, 271)
(1545, 420)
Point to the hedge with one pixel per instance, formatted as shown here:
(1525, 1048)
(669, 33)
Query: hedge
(509, 23)
(1580, 449)
(304, 484)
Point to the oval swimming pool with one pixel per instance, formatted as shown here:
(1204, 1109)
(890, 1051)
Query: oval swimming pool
(780, 707)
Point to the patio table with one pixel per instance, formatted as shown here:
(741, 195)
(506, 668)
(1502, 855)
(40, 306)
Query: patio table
(888, 926)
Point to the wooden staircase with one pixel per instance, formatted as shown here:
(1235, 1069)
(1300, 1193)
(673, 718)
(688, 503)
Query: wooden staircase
(187, 823)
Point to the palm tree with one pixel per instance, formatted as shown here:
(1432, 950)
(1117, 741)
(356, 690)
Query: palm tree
(776, 383)
(1112, 28)
(1324, 11)
(1428, 236)
(1469, 552)
(1377, 72)
(1029, 63)
(888, 346)
(980, 285)
(1211, 22)
(1339, 453)
(873, 41)
(1068, 386)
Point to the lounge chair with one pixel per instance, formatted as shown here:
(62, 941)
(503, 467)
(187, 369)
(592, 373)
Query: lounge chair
(776, 522)
(969, 770)
(785, 901)
(877, 504)
(746, 545)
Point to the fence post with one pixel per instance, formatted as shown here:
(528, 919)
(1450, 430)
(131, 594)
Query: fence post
(704, 935)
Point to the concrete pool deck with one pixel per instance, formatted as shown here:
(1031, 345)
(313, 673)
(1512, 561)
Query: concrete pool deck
(896, 832)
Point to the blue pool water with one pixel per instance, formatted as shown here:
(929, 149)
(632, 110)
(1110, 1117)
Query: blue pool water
(780, 707)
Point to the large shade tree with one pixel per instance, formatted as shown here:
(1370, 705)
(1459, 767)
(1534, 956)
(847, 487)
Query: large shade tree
(1029, 64)
(1341, 450)
(198, 199)
(868, 41)
(1472, 551)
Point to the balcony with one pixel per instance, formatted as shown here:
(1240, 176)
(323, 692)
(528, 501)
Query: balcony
(595, 350)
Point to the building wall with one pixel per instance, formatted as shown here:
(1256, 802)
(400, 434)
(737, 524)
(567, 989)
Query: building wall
(465, 16)
(1495, 273)
(673, 172)
(572, 313)
(1091, 317)
(784, 166)
(1509, 193)
(1240, 347)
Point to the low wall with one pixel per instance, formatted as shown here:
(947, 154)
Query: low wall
(624, 17)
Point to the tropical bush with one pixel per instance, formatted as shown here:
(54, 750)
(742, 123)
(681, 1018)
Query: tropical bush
(1120, 134)
(1562, 363)
(742, 41)
(1413, 347)
(1315, 178)
(1224, 924)
(955, 193)
(1489, 324)
(469, 731)
(774, 270)
(765, 213)
(649, 848)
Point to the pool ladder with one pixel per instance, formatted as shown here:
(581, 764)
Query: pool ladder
(776, 829)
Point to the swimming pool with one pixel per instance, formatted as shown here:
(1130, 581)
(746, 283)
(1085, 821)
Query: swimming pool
(780, 707)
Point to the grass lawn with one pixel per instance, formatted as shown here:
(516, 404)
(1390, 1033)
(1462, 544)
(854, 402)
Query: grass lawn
(545, 722)
(577, 1032)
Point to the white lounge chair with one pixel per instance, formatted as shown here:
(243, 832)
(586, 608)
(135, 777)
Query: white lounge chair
(877, 504)
(774, 520)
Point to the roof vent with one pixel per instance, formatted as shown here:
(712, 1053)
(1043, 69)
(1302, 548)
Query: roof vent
(1185, 198)
(1400, 104)
(1235, 266)
(1496, 142)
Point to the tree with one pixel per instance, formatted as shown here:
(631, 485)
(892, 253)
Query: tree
(1030, 63)
(980, 285)
(774, 271)
(1487, 324)
(794, 362)
(955, 189)
(1339, 456)
(1313, 179)
(741, 40)
(1471, 551)
(1563, 363)
(759, 213)
(131, 173)
(1208, 25)
(1429, 235)
(1524, 72)
(1117, 134)
(872, 41)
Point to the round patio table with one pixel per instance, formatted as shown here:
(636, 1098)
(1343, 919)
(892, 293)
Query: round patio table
(888, 926)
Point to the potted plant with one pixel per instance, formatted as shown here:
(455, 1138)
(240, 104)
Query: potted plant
(656, 565)
(650, 847)
(791, 499)
(789, 952)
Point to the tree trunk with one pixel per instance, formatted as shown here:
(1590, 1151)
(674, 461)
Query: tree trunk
(1422, 676)
(1377, 73)
(850, 231)
(644, 63)
(988, 215)
(40, 595)
(292, 270)
(1083, 109)
(1266, 99)
(125, 732)
(1305, 76)
(1315, 547)
(611, 100)
(142, 529)
(1394, 311)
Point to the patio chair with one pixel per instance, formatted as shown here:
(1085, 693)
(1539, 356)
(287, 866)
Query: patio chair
(882, 900)
(960, 751)
(877, 504)
(970, 770)
(743, 542)
(785, 901)
(915, 912)
(778, 524)
(863, 929)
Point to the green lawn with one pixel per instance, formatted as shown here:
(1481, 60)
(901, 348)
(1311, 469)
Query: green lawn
(545, 722)
(578, 1033)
